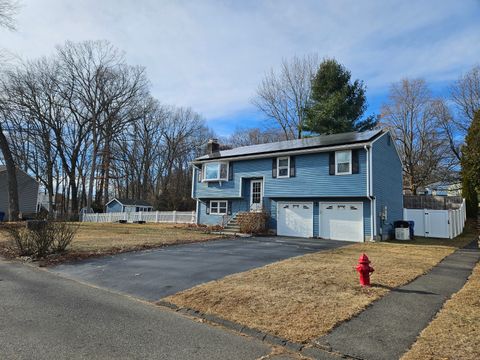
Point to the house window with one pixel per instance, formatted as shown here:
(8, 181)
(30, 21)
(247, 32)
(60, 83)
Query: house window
(283, 167)
(343, 162)
(216, 171)
(218, 207)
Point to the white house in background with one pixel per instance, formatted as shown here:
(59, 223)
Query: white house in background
(443, 189)
(27, 192)
(127, 205)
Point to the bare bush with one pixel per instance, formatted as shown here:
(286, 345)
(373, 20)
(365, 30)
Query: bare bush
(40, 238)
(253, 222)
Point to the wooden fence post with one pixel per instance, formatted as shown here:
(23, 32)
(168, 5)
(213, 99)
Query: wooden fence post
(174, 216)
(156, 216)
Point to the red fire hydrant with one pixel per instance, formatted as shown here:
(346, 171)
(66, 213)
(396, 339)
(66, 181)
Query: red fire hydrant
(364, 269)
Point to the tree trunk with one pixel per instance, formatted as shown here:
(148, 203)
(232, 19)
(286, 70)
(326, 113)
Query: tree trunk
(13, 208)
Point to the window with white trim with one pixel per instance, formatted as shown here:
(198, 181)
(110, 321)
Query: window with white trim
(343, 162)
(218, 207)
(283, 167)
(215, 171)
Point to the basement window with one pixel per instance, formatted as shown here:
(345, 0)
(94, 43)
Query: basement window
(218, 207)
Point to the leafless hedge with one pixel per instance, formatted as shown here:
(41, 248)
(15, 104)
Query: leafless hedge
(253, 222)
(40, 238)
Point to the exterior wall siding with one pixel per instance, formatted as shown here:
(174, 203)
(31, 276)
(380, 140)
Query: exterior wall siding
(114, 206)
(27, 193)
(387, 183)
(271, 206)
(312, 173)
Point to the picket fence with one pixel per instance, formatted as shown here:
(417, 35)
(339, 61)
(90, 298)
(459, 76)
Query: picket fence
(184, 217)
(437, 223)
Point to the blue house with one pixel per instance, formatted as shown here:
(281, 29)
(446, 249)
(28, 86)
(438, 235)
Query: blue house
(342, 186)
(127, 205)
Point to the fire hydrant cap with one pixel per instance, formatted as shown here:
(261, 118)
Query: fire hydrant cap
(364, 259)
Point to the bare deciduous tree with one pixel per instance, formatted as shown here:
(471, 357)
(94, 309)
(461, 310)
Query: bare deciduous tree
(8, 10)
(409, 113)
(283, 95)
(254, 136)
(466, 95)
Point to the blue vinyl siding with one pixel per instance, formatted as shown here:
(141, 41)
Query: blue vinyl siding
(114, 206)
(387, 182)
(311, 173)
(271, 206)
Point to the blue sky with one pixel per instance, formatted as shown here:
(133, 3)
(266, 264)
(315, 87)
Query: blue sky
(211, 55)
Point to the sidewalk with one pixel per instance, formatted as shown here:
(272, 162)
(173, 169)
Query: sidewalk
(391, 325)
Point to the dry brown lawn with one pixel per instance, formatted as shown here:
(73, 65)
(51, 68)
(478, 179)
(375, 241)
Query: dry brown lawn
(455, 332)
(305, 297)
(96, 239)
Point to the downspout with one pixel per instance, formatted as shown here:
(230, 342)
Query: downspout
(369, 192)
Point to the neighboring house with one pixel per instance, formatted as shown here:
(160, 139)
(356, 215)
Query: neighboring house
(343, 186)
(27, 192)
(127, 205)
(443, 189)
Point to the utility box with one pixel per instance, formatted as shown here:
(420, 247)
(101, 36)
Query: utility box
(402, 230)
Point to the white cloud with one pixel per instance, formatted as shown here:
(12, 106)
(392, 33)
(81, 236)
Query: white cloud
(212, 54)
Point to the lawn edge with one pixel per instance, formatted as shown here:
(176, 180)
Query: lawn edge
(78, 256)
(307, 348)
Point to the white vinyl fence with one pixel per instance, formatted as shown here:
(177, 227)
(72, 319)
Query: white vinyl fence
(437, 223)
(185, 217)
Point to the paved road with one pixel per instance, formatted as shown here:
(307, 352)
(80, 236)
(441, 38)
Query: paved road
(44, 316)
(154, 274)
(391, 325)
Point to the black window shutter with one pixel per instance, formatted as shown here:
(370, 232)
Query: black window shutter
(292, 166)
(274, 167)
(229, 208)
(331, 163)
(355, 164)
(199, 174)
(230, 171)
(207, 211)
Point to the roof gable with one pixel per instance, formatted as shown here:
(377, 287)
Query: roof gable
(131, 202)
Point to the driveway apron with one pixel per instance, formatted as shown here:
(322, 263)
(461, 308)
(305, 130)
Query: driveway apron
(154, 274)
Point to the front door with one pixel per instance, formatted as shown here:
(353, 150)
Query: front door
(256, 198)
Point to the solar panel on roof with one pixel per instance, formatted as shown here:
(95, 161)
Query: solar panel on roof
(311, 142)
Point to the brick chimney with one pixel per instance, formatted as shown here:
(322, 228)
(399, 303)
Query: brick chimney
(213, 146)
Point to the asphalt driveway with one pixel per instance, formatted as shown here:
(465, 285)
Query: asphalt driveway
(154, 274)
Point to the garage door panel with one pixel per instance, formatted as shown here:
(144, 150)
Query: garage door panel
(341, 221)
(295, 219)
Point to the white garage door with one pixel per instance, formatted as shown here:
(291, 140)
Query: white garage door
(295, 219)
(341, 221)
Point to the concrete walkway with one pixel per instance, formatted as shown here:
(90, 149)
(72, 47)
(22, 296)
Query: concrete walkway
(391, 325)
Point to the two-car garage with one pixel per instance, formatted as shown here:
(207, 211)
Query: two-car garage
(336, 220)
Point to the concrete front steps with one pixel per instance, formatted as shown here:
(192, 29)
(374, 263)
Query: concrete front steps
(233, 226)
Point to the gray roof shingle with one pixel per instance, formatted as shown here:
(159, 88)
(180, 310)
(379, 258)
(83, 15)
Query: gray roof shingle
(306, 143)
(134, 202)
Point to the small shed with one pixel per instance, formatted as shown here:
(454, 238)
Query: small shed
(128, 205)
